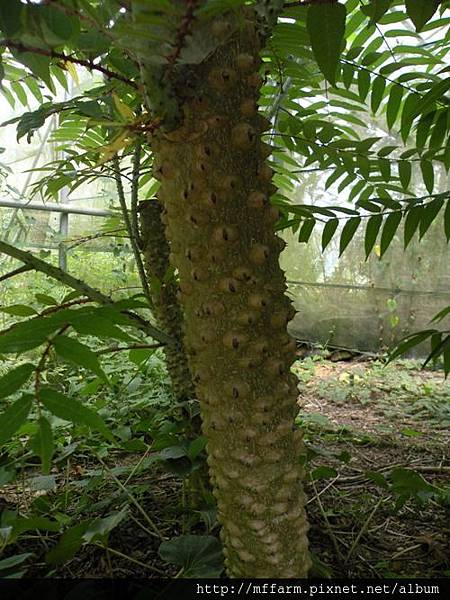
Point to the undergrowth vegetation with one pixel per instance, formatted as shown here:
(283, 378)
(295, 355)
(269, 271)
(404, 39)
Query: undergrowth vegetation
(376, 441)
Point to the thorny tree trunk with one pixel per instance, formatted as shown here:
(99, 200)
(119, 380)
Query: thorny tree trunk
(215, 189)
(155, 250)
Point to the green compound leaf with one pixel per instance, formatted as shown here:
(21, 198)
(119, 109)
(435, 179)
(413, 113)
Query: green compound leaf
(14, 417)
(73, 411)
(326, 27)
(15, 379)
(79, 354)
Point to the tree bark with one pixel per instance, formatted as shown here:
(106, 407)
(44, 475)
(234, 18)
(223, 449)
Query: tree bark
(215, 187)
(155, 250)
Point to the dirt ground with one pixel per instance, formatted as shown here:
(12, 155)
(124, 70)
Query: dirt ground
(363, 417)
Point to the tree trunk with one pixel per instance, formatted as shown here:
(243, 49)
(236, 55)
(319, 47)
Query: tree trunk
(215, 186)
(155, 250)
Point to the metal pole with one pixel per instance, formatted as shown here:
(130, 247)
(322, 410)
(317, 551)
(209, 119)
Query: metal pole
(53, 207)
(63, 232)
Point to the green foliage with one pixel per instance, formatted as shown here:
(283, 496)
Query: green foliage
(326, 28)
(421, 11)
(13, 567)
(15, 379)
(379, 213)
(198, 556)
(13, 417)
(73, 411)
(76, 352)
(43, 444)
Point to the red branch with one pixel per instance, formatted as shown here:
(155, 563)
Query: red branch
(183, 31)
(308, 3)
(88, 64)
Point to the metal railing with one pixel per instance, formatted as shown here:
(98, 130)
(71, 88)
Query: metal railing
(64, 209)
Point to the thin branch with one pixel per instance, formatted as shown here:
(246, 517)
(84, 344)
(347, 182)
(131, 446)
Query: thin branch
(129, 226)
(18, 271)
(307, 3)
(55, 273)
(88, 64)
(52, 309)
(182, 32)
(113, 349)
(136, 173)
(154, 527)
(41, 365)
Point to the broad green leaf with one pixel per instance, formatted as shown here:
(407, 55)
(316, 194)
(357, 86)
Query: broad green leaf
(347, 75)
(428, 101)
(438, 345)
(306, 230)
(363, 84)
(99, 529)
(429, 213)
(389, 230)
(79, 354)
(426, 166)
(30, 122)
(421, 11)
(27, 335)
(326, 27)
(39, 65)
(15, 379)
(412, 222)
(404, 173)
(23, 524)
(198, 555)
(328, 232)
(68, 545)
(61, 25)
(441, 315)
(446, 157)
(409, 342)
(447, 221)
(13, 417)
(348, 231)
(385, 168)
(407, 483)
(19, 310)
(43, 444)
(423, 130)
(376, 9)
(196, 447)
(364, 166)
(446, 359)
(46, 300)
(323, 472)
(97, 325)
(10, 17)
(140, 355)
(372, 229)
(73, 411)
(378, 87)
(393, 105)
(13, 561)
(407, 117)
(377, 478)
(439, 130)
